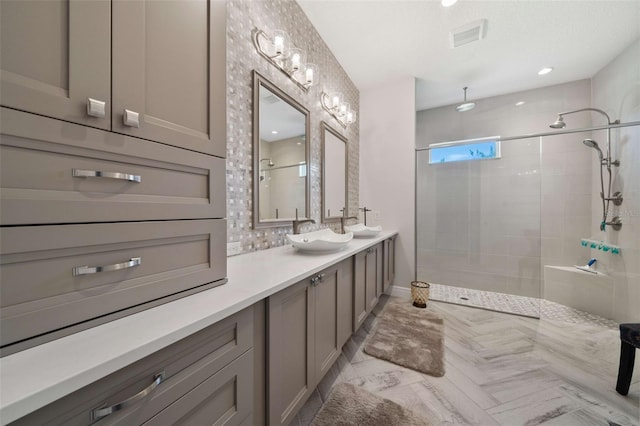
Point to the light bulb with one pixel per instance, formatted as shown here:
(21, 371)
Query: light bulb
(295, 61)
(279, 41)
(351, 117)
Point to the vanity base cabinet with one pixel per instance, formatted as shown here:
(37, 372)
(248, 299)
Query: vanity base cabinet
(306, 327)
(367, 283)
(208, 375)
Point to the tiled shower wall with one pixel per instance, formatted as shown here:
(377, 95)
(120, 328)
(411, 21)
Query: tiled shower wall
(493, 225)
(616, 89)
(243, 17)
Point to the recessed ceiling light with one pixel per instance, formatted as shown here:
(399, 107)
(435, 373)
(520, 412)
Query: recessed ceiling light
(274, 132)
(520, 103)
(448, 3)
(545, 70)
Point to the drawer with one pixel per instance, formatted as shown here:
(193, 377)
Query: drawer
(223, 399)
(199, 368)
(57, 276)
(43, 181)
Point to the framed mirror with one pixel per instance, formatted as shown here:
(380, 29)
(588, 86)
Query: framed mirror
(334, 174)
(280, 156)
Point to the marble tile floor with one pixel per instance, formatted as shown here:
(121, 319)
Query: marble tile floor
(501, 369)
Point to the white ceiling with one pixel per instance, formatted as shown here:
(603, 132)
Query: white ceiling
(377, 41)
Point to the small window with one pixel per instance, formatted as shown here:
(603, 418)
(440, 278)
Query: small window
(302, 169)
(466, 150)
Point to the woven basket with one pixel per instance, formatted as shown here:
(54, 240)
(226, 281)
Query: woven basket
(420, 293)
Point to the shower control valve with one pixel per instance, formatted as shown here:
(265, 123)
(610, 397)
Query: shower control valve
(617, 198)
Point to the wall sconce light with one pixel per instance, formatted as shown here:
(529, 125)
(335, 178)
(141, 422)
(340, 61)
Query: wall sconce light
(334, 104)
(289, 59)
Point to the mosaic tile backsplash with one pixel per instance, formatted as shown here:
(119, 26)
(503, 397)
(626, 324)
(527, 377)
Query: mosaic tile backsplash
(243, 16)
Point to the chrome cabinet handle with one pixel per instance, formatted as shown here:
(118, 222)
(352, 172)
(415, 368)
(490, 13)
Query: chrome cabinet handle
(110, 175)
(131, 118)
(98, 413)
(96, 108)
(86, 270)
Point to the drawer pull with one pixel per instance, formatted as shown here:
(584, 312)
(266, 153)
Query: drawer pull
(110, 175)
(98, 413)
(86, 270)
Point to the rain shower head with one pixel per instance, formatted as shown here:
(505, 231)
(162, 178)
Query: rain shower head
(559, 124)
(593, 144)
(271, 163)
(465, 106)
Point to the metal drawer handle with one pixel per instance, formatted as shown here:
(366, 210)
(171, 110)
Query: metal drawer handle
(98, 413)
(85, 270)
(110, 175)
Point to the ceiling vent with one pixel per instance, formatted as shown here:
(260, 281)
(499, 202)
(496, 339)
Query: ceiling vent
(468, 33)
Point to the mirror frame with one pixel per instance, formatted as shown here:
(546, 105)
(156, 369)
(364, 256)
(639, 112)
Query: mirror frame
(258, 81)
(325, 127)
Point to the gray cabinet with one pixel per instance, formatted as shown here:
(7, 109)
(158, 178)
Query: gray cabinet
(367, 282)
(58, 56)
(55, 56)
(389, 263)
(208, 375)
(84, 184)
(169, 69)
(306, 331)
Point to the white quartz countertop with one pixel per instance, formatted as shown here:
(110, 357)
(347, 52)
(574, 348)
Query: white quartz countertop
(35, 377)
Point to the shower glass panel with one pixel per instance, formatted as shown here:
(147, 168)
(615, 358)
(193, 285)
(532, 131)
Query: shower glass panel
(479, 229)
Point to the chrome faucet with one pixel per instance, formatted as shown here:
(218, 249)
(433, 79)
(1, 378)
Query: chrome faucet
(365, 210)
(343, 219)
(297, 223)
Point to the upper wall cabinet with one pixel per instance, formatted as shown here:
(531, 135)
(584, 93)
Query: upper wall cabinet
(168, 57)
(167, 60)
(55, 57)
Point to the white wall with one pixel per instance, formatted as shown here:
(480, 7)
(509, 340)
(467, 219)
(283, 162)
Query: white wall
(616, 90)
(387, 171)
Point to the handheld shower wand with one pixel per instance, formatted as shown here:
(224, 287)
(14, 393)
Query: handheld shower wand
(617, 197)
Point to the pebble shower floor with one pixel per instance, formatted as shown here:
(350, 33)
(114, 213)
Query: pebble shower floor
(519, 305)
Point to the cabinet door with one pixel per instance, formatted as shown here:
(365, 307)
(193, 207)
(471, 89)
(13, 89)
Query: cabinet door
(56, 55)
(359, 289)
(169, 68)
(327, 347)
(389, 263)
(290, 371)
(345, 302)
(371, 277)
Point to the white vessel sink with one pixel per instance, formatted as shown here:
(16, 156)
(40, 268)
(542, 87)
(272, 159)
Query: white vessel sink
(361, 231)
(319, 241)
